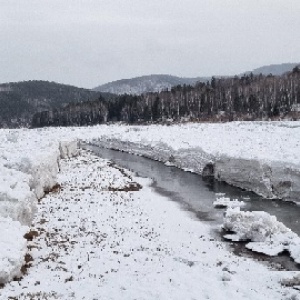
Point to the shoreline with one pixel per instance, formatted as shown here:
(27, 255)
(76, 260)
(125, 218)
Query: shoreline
(270, 179)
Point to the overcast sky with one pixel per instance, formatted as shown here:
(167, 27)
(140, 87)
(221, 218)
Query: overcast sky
(90, 42)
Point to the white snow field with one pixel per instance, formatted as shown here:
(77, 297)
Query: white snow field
(259, 156)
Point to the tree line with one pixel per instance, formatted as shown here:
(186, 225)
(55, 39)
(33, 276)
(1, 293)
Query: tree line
(246, 97)
(19, 101)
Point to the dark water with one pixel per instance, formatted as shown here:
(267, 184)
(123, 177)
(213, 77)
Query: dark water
(197, 195)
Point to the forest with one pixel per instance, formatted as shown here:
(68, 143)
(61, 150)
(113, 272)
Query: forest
(19, 101)
(240, 98)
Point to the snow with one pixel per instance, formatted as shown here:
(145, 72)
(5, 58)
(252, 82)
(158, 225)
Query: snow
(102, 244)
(258, 156)
(267, 235)
(223, 202)
(28, 168)
(13, 249)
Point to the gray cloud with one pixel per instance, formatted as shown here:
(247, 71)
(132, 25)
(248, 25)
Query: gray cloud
(89, 42)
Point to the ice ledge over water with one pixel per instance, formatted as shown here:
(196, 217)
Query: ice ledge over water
(270, 179)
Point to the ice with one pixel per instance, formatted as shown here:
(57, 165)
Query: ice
(256, 156)
(29, 166)
(68, 149)
(223, 202)
(265, 233)
(17, 201)
(13, 249)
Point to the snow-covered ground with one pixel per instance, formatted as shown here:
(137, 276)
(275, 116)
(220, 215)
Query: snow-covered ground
(96, 241)
(261, 156)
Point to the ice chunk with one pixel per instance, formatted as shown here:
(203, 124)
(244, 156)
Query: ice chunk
(267, 235)
(13, 249)
(224, 202)
(68, 148)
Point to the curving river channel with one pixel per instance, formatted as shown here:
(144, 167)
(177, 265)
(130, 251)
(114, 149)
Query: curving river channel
(197, 195)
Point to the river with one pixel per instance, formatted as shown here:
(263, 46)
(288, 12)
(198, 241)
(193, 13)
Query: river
(197, 195)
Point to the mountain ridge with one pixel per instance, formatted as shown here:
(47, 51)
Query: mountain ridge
(159, 82)
(19, 101)
(147, 83)
(274, 69)
(238, 98)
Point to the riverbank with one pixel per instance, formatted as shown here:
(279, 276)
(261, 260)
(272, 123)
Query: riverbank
(103, 234)
(259, 156)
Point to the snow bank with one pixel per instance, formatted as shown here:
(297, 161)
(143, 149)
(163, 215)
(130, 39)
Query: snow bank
(267, 235)
(13, 249)
(17, 201)
(29, 164)
(68, 149)
(269, 179)
(258, 156)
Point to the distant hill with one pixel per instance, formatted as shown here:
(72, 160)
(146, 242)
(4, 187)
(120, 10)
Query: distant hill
(276, 69)
(145, 84)
(239, 98)
(157, 83)
(19, 101)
